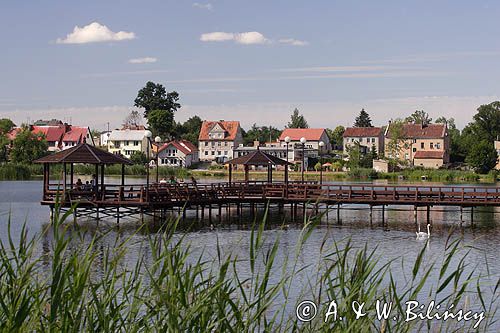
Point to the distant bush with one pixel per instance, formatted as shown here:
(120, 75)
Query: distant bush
(362, 173)
(14, 172)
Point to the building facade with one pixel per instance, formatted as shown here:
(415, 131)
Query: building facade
(179, 153)
(366, 137)
(313, 136)
(218, 139)
(126, 142)
(426, 146)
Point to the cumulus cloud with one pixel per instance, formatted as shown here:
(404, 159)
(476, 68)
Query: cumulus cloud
(246, 38)
(94, 33)
(207, 6)
(293, 42)
(145, 60)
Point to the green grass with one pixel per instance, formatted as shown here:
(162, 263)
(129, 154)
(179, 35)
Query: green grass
(82, 285)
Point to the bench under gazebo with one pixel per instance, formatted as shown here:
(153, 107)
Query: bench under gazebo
(258, 158)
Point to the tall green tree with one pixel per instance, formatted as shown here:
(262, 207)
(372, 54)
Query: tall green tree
(159, 108)
(190, 129)
(297, 120)
(487, 122)
(3, 148)
(482, 157)
(419, 117)
(397, 141)
(261, 134)
(457, 153)
(363, 119)
(336, 136)
(28, 147)
(6, 125)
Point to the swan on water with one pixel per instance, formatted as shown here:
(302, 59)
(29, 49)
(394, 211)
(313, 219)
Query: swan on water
(421, 234)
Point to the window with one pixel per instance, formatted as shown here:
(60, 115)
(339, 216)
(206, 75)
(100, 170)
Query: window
(432, 145)
(126, 143)
(422, 145)
(219, 153)
(373, 140)
(206, 143)
(206, 152)
(406, 156)
(438, 146)
(213, 152)
(136, 143)
(414, 149)
(414, 140)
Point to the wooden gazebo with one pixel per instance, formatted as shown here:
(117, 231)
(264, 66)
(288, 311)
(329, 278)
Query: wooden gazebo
(258, 158)
(80, 154)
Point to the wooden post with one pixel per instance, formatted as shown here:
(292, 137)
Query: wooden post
(461, 215)
(472, 216)
(339, 221)
(428, 214)
(415, 218)
(71, 180)
(230, 173)
(371, 215)
(383, 215)
(269, 173)
(102, 182)
(246, 173)
(123, 174)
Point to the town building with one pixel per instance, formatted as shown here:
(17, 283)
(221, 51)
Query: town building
(366, 137)
(103, 138)
(218, 139)
(313, 137)
(126, 142)
(179, 153)
(426, 146)
(497, 148)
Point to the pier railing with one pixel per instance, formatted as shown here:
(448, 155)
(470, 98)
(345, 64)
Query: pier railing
(177, 194)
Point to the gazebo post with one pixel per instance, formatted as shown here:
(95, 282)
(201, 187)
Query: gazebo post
(102, 180)
(246, 172)
(96, 188)
(269, 173)
(230, 173)
(71, 175)
(123, 174)
(64, 177)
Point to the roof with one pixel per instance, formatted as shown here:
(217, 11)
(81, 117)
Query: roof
(428, 154)
(11, 135)
(311, 134)
(231, 128)
(52, 133)
(84, 153)
(75, 134)
(257, 158)
(431, 131)
(358, 132)
(183, 145)
(123, 135)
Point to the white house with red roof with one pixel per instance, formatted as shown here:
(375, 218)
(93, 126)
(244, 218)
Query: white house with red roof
(179, 153)
(218, 139)
(75, 136)
(366, 137)
(313, 137)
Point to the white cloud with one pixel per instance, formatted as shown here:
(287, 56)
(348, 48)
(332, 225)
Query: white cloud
(145, 60)
(293, 42)
(207, 6)
(339, 69)
(217, 36)
(246, 38)
(94, 33)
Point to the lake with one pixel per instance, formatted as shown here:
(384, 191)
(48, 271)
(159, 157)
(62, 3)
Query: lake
(19, 200)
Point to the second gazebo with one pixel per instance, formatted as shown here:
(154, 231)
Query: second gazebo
(258, 158)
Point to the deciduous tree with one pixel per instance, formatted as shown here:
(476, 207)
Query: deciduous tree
(482, 157)
(6, 125)
(419, 117)
(28, 147)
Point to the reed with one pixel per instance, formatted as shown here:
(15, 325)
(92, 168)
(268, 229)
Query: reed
(83, 283)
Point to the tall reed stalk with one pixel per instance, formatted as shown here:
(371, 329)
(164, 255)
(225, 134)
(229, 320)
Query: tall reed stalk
(82, 282)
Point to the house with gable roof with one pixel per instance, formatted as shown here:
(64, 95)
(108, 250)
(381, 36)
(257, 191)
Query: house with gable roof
(179, 153)
(218, 139)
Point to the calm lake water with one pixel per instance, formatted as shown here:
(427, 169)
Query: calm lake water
(19, 201)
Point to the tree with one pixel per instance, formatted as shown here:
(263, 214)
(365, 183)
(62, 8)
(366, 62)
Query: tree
(159, 108)
(261, 134)
(28, 147)
(154, 97)
(161, 123)
(487, 122)
(138, 157)
(482, 157)
(397, 139)
(419, 117)
(336, 136)
(6, 125)
(363, 120)
(297, 120)
(457, 154)
(4, 142)
(189, 130)
(133, 119)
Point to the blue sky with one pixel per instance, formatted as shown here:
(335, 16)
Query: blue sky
(327, 58)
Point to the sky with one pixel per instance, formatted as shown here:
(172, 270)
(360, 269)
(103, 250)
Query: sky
(252, 61)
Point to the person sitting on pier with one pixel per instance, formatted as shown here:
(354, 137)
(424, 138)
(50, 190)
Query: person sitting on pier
(193, 180)
(87, 186)
(78, 185)
(172, 180)
(163, 181)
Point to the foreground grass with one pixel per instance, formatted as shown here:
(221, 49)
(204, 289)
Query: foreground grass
(74, 287)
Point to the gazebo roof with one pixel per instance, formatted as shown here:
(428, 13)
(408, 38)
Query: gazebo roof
(84, 153)
(257, 158)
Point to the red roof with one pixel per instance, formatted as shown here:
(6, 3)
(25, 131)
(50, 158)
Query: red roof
(311, 134)
(52, 133)
(231, 128)
(428, 154)
(431, 131)
(75, 134)
(183, 145)
(358, 132)
(11, 135)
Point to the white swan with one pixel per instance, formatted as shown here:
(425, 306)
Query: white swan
(421, 234)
